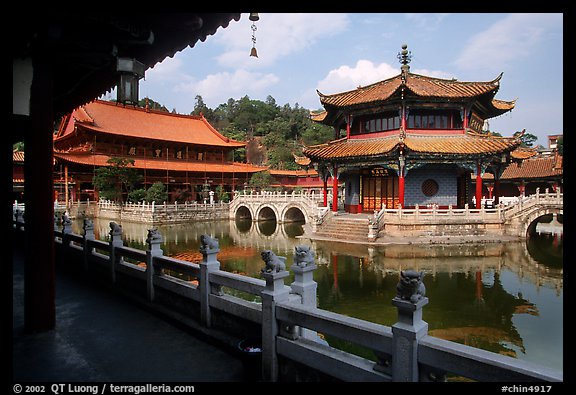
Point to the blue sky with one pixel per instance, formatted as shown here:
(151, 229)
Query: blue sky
(300, 53)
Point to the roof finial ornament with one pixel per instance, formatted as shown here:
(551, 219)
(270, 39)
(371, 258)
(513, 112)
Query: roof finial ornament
(405, 57)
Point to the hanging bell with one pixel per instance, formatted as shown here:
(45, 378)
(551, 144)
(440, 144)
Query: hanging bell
(253, 52)
(254, 16)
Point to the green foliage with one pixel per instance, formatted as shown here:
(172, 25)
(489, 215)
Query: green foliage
(221, 194)
(157, 193)
(282, 130)
(261, 180)
(153, 105)
(560, 145)
(527, 139)
(137, 195)
(117, 179)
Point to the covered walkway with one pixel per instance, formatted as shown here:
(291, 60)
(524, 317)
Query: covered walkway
(102, 336)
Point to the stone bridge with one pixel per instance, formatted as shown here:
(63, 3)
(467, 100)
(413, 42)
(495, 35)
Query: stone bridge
(282, 207)
(520, 218)
(516, 219)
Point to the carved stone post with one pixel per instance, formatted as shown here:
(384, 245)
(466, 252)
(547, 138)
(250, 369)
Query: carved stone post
(115, 241)
(66, 229)
(20, 220)
(209, 248)
(153, 242)
(373, 228)
(304, 284)
(410, 327)
(88, 228)
(275, 291)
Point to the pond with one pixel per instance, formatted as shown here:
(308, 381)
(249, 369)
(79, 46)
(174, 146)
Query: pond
(502, 297)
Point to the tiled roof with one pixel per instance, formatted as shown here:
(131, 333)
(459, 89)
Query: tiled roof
(110, 118)
(539, 167)
(463, 144)
(319, 116)
(301, 160)
(155, 164)
(523, 153)
(294, 173)
(420, 85)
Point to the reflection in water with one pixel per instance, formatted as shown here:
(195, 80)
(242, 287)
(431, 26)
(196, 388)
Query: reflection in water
(502, 297)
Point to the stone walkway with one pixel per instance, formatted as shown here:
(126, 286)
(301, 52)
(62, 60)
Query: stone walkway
(101, 336)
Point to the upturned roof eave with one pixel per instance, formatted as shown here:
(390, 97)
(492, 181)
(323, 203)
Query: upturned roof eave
(490, 88)
(328, 152)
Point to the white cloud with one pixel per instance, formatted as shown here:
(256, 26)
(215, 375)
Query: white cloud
(509, 39)
(170, 69)
(365, 72)
(426, 21)
(216, 89)
(433, 73)
(277, 36)
(346, 78)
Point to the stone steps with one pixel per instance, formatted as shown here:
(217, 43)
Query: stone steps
(344, 228)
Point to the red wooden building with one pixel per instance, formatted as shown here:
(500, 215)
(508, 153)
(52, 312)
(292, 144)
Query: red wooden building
(184, 152)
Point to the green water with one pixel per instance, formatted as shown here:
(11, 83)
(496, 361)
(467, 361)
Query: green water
(502, 297)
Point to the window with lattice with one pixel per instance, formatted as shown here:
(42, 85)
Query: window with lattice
(429, 187)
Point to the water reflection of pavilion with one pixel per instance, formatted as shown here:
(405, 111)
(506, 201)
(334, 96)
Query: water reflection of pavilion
(385, 260)
(470, 302)
(433, 259)
(472, 305)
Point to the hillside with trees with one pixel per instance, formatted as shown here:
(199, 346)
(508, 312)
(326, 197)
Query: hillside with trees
(274, 133)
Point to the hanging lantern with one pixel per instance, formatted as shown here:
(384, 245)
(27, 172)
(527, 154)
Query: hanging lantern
(254, 17)
(130, 71)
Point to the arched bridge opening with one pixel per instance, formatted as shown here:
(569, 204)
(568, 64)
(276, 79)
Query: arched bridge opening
(294, 214)
(243, 213)
(266, 214)
(548, 222)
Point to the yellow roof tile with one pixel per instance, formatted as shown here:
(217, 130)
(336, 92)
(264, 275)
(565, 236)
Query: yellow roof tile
(456, 144)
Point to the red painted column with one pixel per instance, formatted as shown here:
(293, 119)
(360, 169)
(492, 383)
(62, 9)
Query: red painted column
(401, 162)
(401, 189)
(334, 261)
(490, 189)
(325, 187)
(479, 295)
(478, 186)
(335, 189)
(348, 127)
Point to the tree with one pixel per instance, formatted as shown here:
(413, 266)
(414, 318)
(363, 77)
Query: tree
(221, 194)
(152, 104)
(137, 195)
(261, 180)
(201, 108)
(116, 179)
(560, 145)
(157, 193)
(527, 139)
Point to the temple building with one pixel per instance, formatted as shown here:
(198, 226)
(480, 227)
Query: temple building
(413, 140)
(543, 171)
(184, 152)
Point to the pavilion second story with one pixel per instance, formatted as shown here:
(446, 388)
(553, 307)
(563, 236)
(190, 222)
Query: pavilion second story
(415, 103)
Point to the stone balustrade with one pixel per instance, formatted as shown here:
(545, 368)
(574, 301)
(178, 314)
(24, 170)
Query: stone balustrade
(287, 316)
